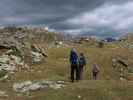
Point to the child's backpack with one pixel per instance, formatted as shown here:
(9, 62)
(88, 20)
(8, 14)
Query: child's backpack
(82, 61)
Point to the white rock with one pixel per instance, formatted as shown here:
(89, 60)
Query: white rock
(56, 86)
(35, 86)
(36, 56)
(32, 86)
(4, 59)
(46, 28)
(79, 96)
(60, 43)
(21, 87)
(60, 82)
(122, 79)
(3, 94)
(17, 60)
(10, 65)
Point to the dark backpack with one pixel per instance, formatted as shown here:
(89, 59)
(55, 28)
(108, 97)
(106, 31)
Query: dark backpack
(82, 61)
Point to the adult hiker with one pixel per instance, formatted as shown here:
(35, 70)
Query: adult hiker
(82, 63)
(95, 71)
(74, 65)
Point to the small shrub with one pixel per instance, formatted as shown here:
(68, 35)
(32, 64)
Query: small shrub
(130, 70)
(2, 73)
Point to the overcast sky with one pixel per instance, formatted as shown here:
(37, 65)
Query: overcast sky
(100, 17)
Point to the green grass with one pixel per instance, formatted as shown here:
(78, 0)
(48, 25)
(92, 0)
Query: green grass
(88, 90)
(57, 67)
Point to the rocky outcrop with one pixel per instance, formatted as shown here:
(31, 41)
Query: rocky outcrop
(10, 63)
(28, 86)
(123, 67)
(37, 54)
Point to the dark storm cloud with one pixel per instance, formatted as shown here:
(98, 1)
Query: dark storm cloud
(44, 10)
(73, 16)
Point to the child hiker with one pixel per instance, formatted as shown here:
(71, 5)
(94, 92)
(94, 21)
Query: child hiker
(95, 71)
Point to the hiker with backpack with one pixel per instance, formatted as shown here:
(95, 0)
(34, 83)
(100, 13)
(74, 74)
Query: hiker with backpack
(95, 71)
(74, 64)
(82, 63)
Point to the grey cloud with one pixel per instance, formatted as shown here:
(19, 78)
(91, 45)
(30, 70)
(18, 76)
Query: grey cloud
(107, 18)
(57, 13)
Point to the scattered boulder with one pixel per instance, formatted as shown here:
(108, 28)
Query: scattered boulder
(10, 62)
(28, 86)
(122, 66)
(36, 57)
(37, 54)
(16, 53)
(120, 61)
(3, 94)
(58, 43)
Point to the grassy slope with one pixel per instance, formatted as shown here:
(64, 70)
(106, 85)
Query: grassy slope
(89, 90)
(57, 67)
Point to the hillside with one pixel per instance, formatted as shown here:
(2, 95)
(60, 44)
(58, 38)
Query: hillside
(42, 77)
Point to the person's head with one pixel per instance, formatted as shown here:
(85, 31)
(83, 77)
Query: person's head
(94, 64)
(81, 54)
(73, 50)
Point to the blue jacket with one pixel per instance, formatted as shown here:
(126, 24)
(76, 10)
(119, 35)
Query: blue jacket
(73, 57)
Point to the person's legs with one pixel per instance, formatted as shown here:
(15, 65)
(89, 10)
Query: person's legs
(94, 75)
(81, 73)
(72, 73)
(77, 72)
